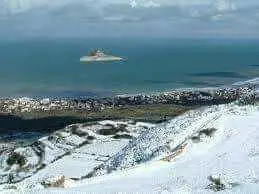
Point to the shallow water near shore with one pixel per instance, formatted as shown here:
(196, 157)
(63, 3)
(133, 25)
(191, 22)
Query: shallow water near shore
(52, 67)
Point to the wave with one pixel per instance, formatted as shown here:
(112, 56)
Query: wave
(222, 74)
(150, 81)
(254, 81)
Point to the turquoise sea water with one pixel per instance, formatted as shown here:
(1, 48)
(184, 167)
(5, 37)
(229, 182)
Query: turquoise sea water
(52, 67)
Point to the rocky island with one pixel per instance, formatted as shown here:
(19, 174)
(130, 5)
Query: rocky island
(99, 56)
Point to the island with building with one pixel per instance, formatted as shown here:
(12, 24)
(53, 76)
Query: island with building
(99, 56)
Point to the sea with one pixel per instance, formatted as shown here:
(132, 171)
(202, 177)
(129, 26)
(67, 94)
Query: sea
(51, 67)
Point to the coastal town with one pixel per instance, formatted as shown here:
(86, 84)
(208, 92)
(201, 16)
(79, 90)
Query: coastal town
(181, 97)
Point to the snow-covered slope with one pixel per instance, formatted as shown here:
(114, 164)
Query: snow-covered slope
(214, 148)
(80, 147)
(232, 154)
(162, 140)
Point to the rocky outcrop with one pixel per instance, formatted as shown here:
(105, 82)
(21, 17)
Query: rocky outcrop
(54, 182)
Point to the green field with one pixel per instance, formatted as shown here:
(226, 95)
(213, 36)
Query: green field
(50, 121)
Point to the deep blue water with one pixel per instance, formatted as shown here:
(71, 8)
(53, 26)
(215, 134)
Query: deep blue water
(52, 67)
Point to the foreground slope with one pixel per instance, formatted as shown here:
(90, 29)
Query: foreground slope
(206, 150)
(230, 154)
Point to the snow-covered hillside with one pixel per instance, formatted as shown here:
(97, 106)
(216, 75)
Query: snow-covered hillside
(206, 150)
(230, 155)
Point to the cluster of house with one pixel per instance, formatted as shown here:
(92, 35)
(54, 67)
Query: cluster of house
(25, 104)
(28, 104)
(192, 97)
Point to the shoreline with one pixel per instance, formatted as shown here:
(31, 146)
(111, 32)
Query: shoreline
(176, 97)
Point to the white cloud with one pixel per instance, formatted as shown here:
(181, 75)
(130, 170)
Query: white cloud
(151, 4)
(8, 7)
(133, 3)
(225, 5)
(147, 4)
(190, 15)
(18, 6)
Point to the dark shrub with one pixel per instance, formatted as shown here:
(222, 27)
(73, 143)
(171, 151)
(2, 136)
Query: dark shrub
(51, 138)
(196, 139)
(113, 130)
(74, 127)
(90, 137)
(41, 167)
(10, 178)
(208, 132)
(16, 158)
(124, 136)
(77, 131)
(84, 143)
(216, 184)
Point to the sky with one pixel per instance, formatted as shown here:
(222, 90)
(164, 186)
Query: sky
(123, 18)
